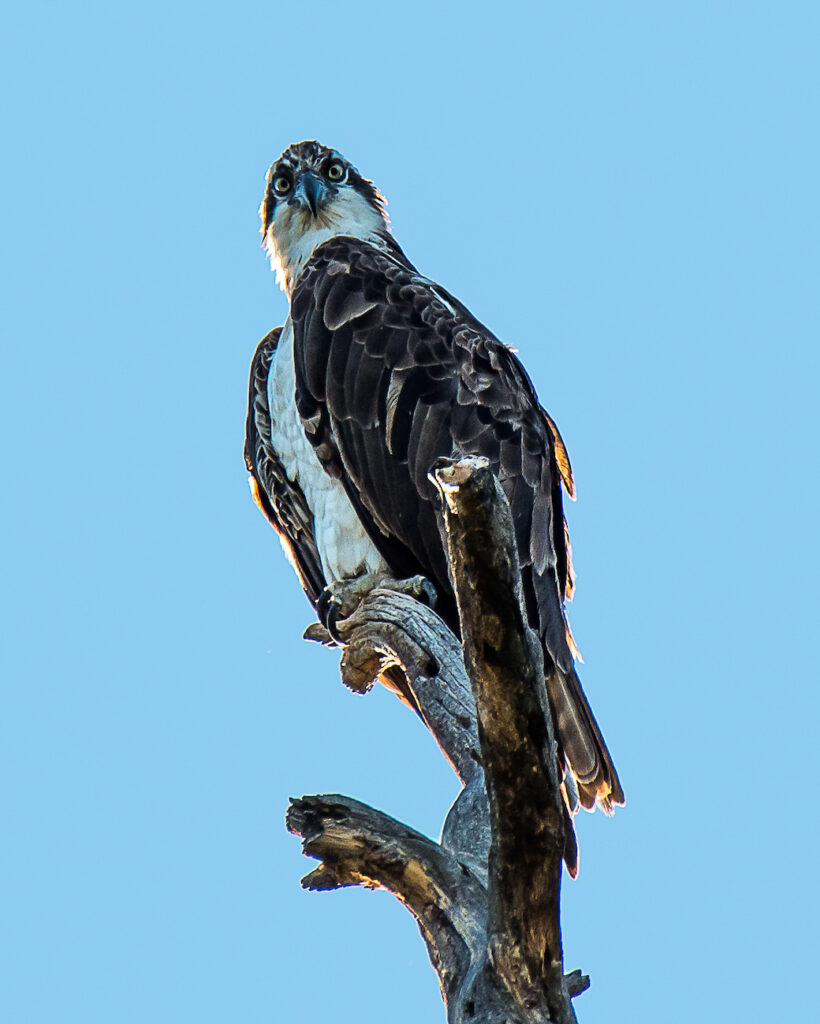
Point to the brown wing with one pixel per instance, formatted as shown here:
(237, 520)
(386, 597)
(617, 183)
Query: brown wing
(392, 373)
(282, 503)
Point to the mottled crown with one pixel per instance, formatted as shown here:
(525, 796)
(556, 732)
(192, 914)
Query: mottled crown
(313, 156)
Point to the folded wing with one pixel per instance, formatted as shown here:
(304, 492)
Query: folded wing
(392, 372)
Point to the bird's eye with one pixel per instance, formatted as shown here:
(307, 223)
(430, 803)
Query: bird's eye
(281, 185)
(335, 171)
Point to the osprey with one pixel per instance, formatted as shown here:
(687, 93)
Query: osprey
(378, 372)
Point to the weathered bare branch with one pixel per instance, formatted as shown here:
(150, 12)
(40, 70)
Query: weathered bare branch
(361, 846)
(486, 898)
(505, 664)
(390, 628)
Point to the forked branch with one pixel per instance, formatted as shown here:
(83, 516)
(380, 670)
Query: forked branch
(487, 898)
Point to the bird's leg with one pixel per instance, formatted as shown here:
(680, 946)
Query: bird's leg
(340, 599)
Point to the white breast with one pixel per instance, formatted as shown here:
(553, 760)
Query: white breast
(344, 547)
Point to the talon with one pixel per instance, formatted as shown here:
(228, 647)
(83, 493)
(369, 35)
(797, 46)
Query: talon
(428, 594)
(341, 598)
(328, 608)
(418, 587)
(323, 605)
(334, 609)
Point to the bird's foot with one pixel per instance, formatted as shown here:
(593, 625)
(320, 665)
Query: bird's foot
(418, 587)
(339, 600)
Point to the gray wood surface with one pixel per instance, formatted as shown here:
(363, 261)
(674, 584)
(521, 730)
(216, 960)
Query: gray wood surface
(487, 896)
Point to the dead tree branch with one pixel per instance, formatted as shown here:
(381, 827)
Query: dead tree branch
(487, 897)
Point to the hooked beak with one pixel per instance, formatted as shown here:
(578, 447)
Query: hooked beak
(310, 191)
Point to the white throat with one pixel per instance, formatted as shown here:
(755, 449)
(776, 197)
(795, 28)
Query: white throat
(294, 232)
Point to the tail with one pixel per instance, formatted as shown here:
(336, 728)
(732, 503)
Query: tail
(582, 744)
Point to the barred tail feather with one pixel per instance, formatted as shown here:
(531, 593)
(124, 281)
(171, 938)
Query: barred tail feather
(582, 744)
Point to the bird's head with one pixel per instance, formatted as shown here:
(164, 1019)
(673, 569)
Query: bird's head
(311, 194)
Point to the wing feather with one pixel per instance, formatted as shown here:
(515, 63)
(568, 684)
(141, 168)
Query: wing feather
(282, 504)
(392, 373)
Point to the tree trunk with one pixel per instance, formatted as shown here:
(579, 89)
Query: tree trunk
(487, 897)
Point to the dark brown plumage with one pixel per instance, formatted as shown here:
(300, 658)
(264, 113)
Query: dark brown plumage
(392, 372)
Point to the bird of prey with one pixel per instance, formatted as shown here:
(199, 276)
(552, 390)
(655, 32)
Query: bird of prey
(377, 373)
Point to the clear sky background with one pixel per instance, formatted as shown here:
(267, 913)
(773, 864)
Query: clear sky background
(628, 194)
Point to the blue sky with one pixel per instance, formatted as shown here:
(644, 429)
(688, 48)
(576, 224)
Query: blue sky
(628, 195)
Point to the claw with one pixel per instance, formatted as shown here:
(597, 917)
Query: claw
(341, 598)
(328, 608)
(334, 610)
(418, 587)
(427, 592)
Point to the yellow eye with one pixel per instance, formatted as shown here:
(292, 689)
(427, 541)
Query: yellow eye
(335, 171)
(281, 185)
